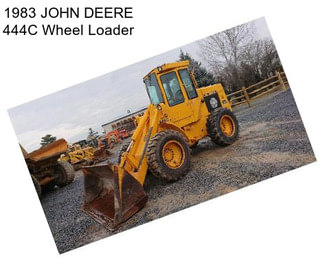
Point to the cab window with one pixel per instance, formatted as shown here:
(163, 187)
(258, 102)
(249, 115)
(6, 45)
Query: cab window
(188, 84)
(153, 90)
(172, 88)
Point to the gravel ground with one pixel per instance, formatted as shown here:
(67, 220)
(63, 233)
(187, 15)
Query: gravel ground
(272, 141)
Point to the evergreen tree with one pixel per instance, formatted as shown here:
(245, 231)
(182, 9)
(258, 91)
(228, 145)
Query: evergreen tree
(92, 138)
(92, 133)
(202, 76)
(47, 139)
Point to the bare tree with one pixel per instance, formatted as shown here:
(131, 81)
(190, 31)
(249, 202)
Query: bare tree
(223, 53)
(259, 59)
(237, 59)
(271, 61)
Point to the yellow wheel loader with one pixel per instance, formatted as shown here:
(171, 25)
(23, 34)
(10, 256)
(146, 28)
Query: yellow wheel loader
(180, 114)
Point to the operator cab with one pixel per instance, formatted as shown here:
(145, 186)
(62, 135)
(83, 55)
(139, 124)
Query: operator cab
(171, 82)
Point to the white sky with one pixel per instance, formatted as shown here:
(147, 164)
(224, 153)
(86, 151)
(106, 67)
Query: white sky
(69, 113)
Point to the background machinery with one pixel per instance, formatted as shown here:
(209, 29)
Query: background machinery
(180, 114)
(45, 169)
(123, 134)
(78, 156)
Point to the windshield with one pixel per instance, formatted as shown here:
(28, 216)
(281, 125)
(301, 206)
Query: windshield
(153, 90)
(172, 89)
(188, 84)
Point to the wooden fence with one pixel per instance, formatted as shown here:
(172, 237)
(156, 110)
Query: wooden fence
(247, 94)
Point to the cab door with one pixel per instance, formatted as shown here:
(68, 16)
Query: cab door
(190, 91)
(179, 110)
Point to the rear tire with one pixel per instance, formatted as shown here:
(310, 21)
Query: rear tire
(223, 127)
(168, 155)
(65, 173)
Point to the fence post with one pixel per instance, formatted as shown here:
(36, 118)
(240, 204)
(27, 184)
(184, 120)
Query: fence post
(246, 95)
(281, 81)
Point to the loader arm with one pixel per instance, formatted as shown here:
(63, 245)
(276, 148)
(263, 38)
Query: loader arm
(134, 160)
(114, 193)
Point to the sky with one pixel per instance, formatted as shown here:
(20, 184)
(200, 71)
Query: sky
(89, 104)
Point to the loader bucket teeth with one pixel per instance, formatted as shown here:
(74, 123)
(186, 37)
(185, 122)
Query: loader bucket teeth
(112, 195)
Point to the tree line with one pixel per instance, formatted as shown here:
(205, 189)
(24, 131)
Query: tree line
(235, 58)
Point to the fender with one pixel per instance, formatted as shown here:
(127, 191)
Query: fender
(170, 126)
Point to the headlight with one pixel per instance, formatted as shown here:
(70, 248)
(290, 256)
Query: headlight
(214, 102)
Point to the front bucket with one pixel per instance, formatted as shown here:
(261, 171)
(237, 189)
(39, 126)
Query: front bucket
(106, 201)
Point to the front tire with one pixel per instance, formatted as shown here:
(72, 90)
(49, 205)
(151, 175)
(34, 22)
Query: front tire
(65, 173)
(168, 155)
(223, 127)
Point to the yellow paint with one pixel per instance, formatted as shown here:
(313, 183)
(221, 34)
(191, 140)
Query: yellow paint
(227, 125)
(48, 150)
(189, 118)
(173, 154)
(77, 154)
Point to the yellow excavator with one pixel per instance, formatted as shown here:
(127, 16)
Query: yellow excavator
(179, 115)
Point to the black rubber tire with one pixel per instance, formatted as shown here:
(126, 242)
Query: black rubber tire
(122, 149)
(154, 156)
(65, 173)
(48, 187)
(37, 185)
(214, 129)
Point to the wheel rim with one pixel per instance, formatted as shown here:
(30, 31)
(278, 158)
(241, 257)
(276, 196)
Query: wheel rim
(227, 125)
(173, 154)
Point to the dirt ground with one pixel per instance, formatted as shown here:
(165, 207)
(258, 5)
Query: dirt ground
(272, 141)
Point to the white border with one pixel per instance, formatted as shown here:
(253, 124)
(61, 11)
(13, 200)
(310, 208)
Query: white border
(273, 225)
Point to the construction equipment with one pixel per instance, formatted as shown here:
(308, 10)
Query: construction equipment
(83, 143)
(110, 139)
(105, 143)
(180, 114)
(102, 152)
(123, 134)
(45, 170)
(113, 137)
(78, 156)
